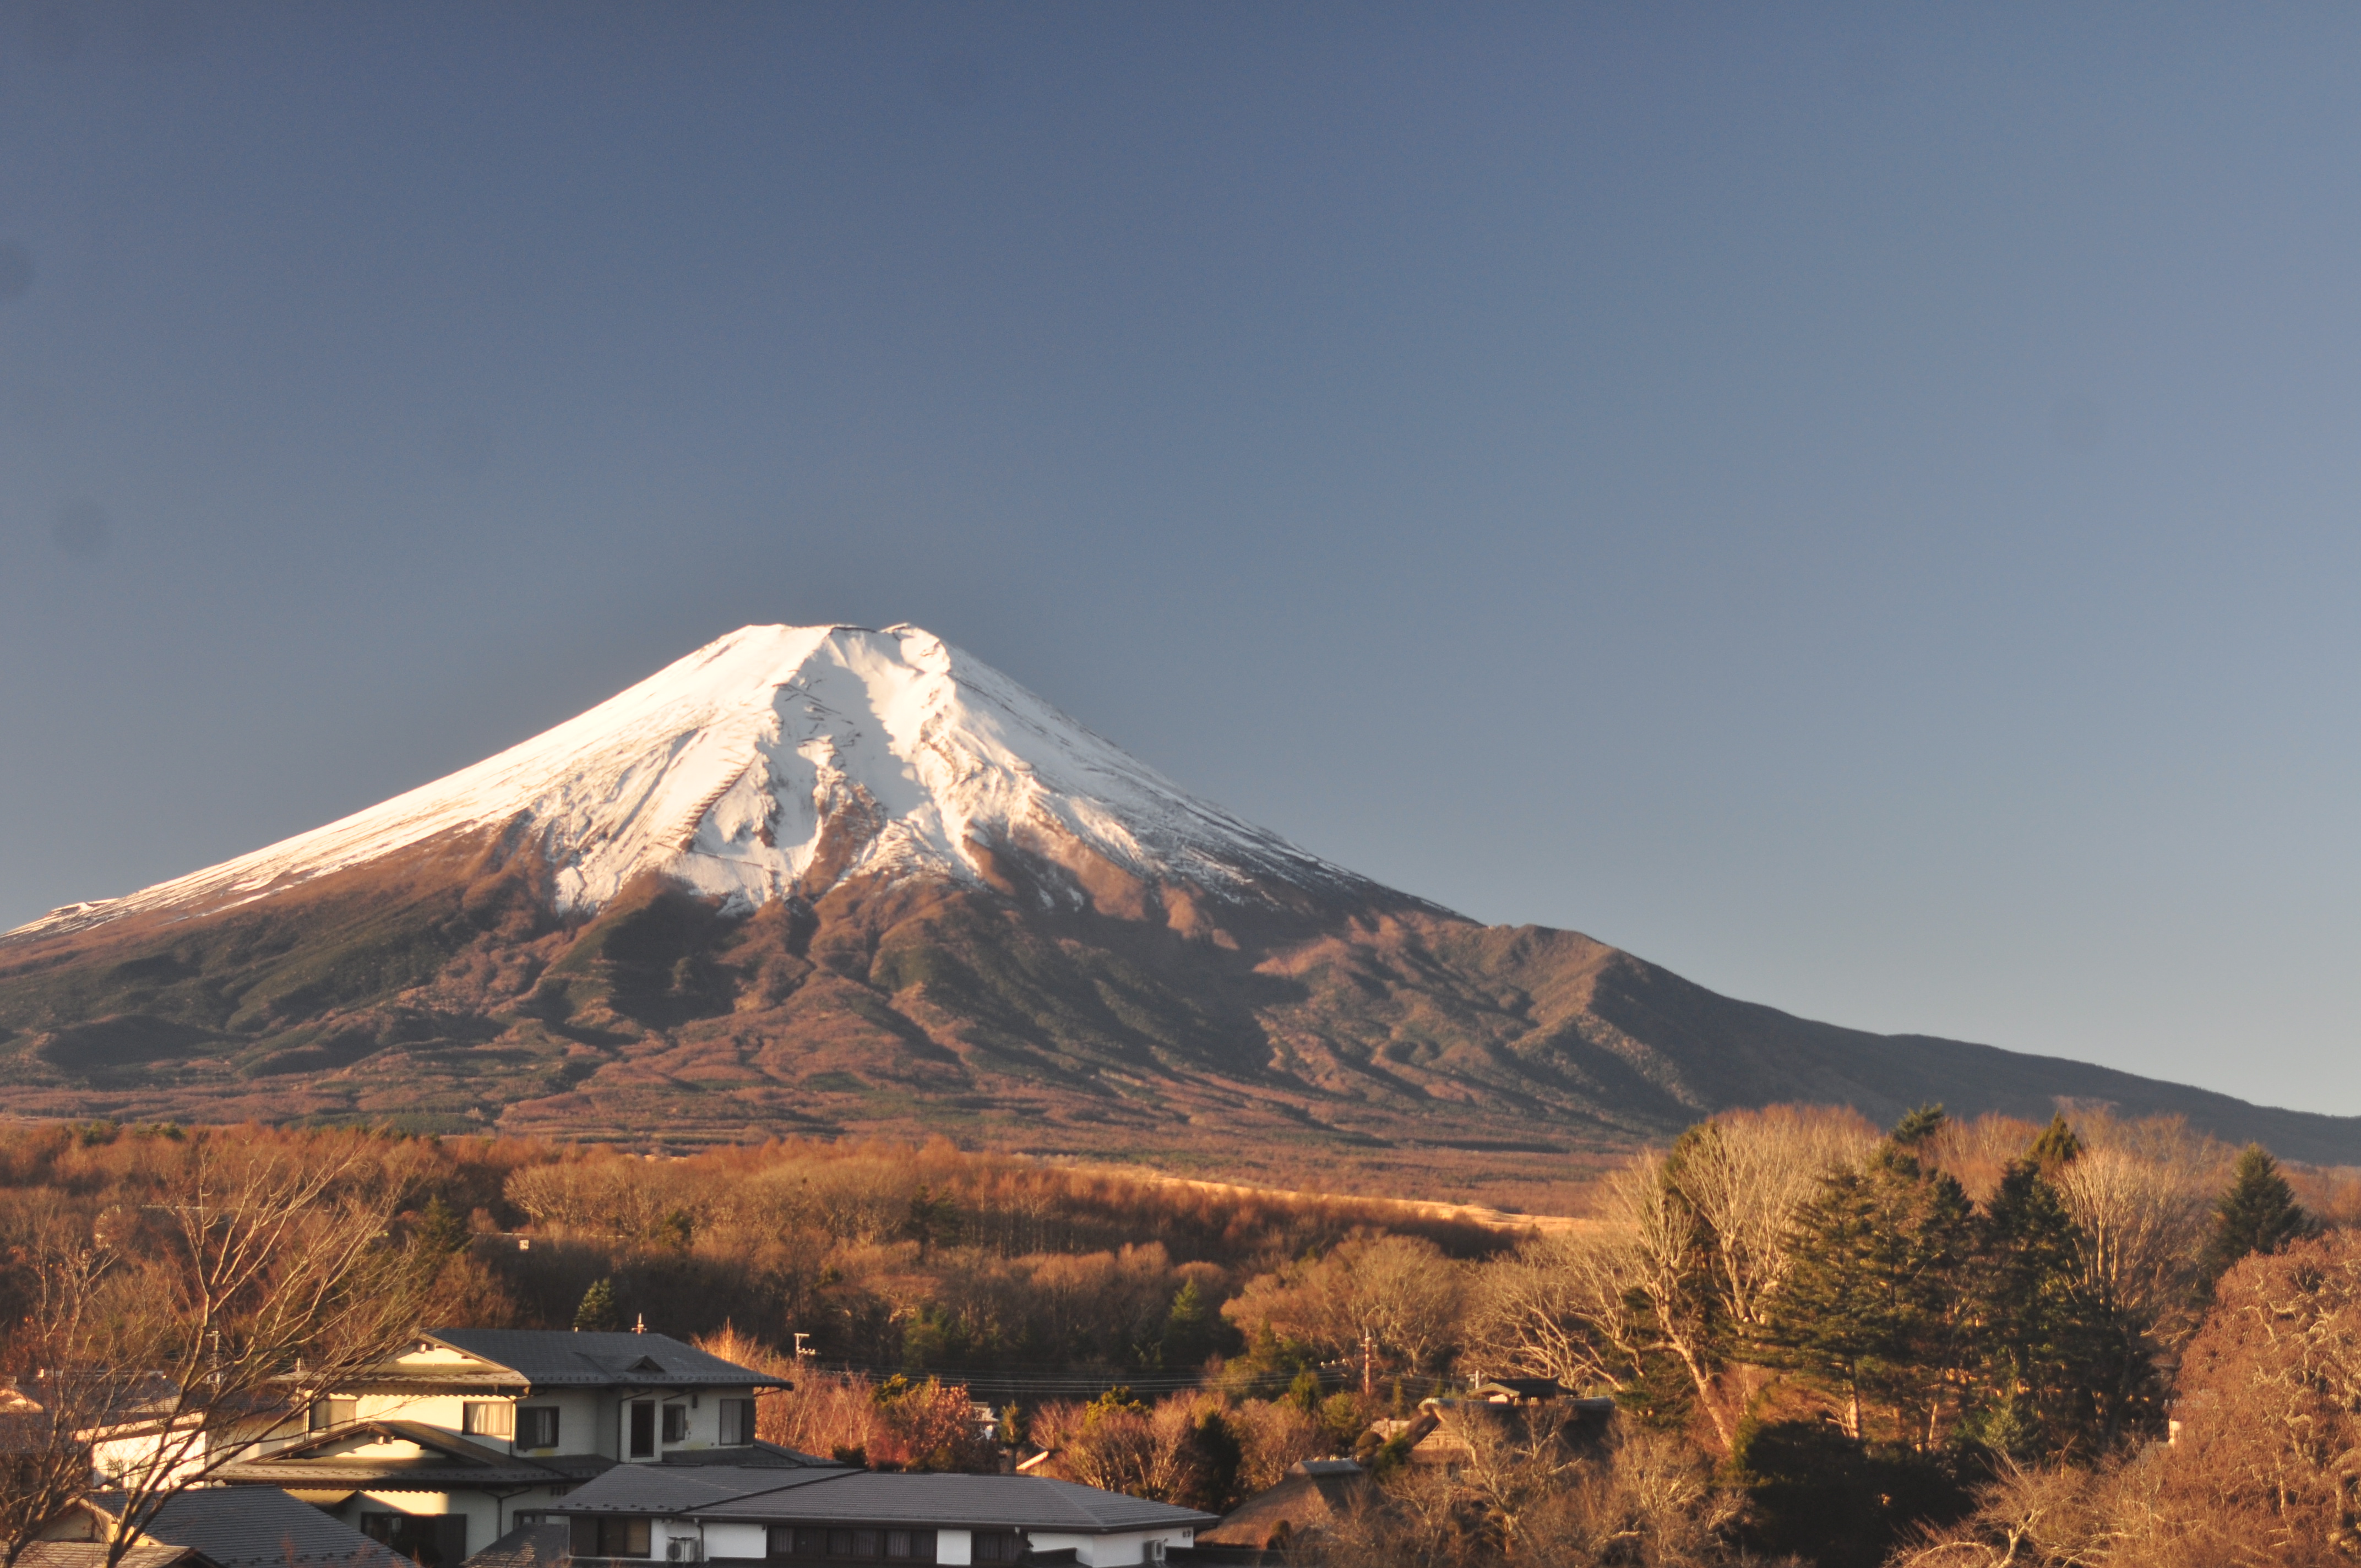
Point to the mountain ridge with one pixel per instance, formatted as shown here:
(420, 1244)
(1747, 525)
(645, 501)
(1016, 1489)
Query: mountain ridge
(831, 880)
(754, 763)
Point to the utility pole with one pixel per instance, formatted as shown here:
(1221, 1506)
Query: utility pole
(1369, 1364)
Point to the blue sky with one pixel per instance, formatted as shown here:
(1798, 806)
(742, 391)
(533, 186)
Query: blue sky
(1855, 505)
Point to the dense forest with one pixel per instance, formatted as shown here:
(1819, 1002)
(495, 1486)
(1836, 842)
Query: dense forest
(1989, 1341)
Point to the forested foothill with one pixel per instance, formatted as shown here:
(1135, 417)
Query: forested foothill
(2096, 1342)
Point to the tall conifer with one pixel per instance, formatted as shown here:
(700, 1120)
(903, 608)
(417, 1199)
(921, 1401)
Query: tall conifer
(2044, 1349)
(2258, 1213)
(596, 1314)
(2055, 1147)
(1874, 1308)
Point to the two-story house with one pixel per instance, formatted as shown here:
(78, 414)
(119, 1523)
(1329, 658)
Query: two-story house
(443, 1448)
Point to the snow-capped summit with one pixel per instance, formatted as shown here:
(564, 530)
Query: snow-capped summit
(782, 760)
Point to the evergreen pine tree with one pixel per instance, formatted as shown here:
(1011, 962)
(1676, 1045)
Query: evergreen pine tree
(2056, 1146)
(1191, 1328)
(1915, 1129)
(596, 1314)
(1873, 1307)
(932, 1218)
(2258, 1213)
(439, 1231)
(2046, 1349)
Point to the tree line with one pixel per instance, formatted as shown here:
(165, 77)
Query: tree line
(1922, 1345)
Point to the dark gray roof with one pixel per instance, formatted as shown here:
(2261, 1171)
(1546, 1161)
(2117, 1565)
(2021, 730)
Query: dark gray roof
(527, 1546)
(753, 1456)
(259, 1527)
(310, 1464)
(667, 1490)
(557, 1358)
(866, 1497)
(93, 1555)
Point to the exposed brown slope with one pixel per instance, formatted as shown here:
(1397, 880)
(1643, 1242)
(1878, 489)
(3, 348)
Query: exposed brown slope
(1069, 1007)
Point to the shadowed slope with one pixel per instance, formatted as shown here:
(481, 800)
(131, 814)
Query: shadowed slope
(828, 879)
(1065, 1007)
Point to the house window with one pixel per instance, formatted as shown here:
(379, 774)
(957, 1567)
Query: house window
(431, 1540)
(675, 1423)
(607, 1536)
(997, 1546)
(487, 1418)
(537, 1426)
(641, 1419)
(326, 1413)
(810, 1543)
(737, 1422)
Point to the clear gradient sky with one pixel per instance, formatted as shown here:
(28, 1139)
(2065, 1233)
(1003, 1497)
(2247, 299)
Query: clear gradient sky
(1855, 505)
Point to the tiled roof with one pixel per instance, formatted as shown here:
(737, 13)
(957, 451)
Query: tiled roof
(528, 1546)
(754, 1456)
(449, 1460)
(554, 1358)
(260, 1527)
(1029, 1502)
(93, 1555)
(663, 1489)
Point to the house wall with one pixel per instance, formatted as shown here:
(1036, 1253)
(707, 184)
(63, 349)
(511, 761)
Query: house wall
(485, 1516)
(751, 1542)
(119, 1456)
(1108, 1551)
(488, 1516)
(744, 1540)
(538, 1500)
(586, 1424)
(589, 1421)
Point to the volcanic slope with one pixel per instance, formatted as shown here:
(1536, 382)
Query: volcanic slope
(828, 880)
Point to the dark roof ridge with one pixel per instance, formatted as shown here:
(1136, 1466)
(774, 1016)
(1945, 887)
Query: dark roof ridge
(545, 1356)
(943, 1498)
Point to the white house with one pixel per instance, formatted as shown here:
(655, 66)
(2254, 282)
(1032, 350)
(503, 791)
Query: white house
(845, 1518)
(442, 1449)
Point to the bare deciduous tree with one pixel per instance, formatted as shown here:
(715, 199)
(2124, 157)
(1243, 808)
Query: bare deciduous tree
(53, 1404)
(1745, 1174)
(2270, 1399)
(1660, 1270)
(1399, 1291)
(1273, 1435)
(257, 1280)
(1555, 1308)
(1141, 1453)
(2141, 1194)
(1519, 1496)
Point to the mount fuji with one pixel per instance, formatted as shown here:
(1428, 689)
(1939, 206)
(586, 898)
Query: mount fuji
(830, 880)
(777, 764)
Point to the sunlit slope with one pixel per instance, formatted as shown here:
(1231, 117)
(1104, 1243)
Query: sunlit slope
(830, 880)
